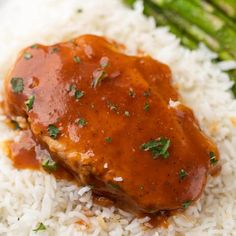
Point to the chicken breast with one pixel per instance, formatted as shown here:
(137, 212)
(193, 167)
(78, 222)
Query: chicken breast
(113, 121)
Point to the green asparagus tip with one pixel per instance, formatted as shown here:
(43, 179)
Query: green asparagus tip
(129, 2)
(234, 89)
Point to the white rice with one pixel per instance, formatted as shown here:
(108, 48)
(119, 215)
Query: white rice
(29, 197)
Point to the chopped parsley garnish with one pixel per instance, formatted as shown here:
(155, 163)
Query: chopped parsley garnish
(79, 94)
(49, 165)
(104, 62)
(146, 94)
(29, 103)
(146, 106)
(17, 84)
(127, 113)
(34, 46)
(132, 93)
(108, 139)
(55, 50)
(115, 186)
(98, 76)
(112, 106)
(76, 59)
(15, 124)
(72, 88)
(186, 204)
(182, 174)
(40, 227)
(27, 56)
(53, 131)
(82, 122)
(213, 159)
(79, 10)
(157, 147)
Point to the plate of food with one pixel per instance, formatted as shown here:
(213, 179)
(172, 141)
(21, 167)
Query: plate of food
(117, 117)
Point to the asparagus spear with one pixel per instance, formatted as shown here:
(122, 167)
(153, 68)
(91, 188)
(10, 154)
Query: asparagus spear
(234, 88)
(196, 33)
(129, 2)
(215, 11)
(232, 76)
(189, 33)
(186, 40)
(210, 23)
(151, 10)
(228, 6)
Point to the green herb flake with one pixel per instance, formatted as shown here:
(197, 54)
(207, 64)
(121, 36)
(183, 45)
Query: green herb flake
(16, 125)
(29, 103)
(55, 50)
(115, 186)
(104, 62)
(79, 10)
(53, 131)
(157, 147)
(186, 204)
(79, 94)
(98, 76)
(17, 84)
(182, 174)
(72, 88)
(112, 106)
(77, 59)
(132, 93)
(40, 227)
(34, 46)
(127, 114)
(27, 56)
(147, 94)
(81, 122)
(108, 139)
(49, 165)
(213, 159)
(146, 106)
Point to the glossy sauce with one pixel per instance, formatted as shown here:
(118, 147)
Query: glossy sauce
(123, 102)
(27, 153)
(23, 153)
